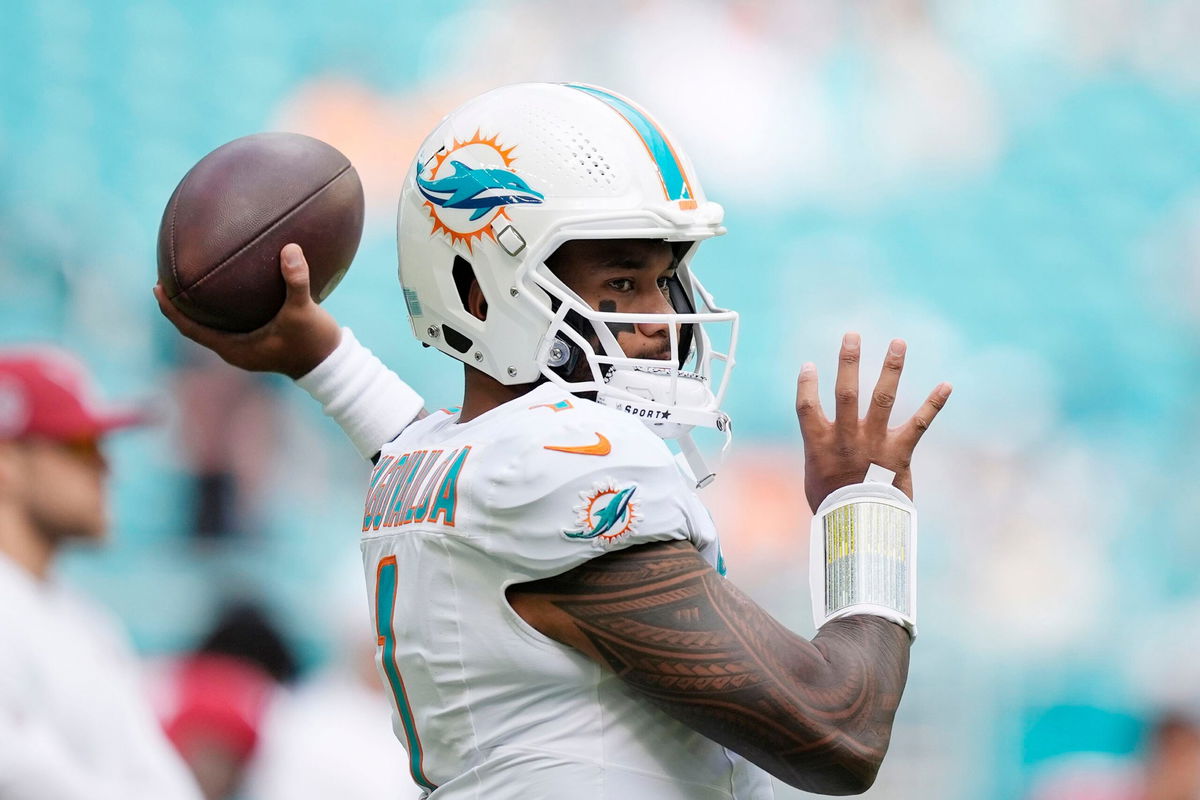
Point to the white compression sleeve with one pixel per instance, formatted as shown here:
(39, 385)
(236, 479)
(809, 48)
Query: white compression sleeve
(365, 398)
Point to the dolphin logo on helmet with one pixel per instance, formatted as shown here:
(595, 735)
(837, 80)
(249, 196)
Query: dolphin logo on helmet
(479, 189)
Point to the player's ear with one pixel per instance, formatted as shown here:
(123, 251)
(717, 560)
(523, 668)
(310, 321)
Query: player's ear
(476, 303)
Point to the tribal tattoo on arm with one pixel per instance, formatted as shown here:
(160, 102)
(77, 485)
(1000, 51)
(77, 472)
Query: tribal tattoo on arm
(816, 714)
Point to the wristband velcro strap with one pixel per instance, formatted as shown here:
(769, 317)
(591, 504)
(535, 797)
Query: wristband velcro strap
(366, 399)
(863, 551)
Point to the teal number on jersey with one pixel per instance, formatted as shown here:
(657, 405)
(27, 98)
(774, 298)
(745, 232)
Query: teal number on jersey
(385, 609)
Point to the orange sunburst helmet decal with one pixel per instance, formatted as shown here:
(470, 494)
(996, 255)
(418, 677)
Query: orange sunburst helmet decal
(468, 186)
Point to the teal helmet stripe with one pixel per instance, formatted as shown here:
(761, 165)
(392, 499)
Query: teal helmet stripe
(675, 182)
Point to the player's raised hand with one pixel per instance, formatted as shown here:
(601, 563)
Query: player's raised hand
(837, 453)
(296, 339)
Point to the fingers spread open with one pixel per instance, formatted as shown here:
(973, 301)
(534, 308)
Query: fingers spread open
(808, 404)
(295, 275)
(879, 411)
(911, 431)
(846, 387)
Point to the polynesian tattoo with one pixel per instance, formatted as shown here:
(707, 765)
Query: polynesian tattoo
(816, 714)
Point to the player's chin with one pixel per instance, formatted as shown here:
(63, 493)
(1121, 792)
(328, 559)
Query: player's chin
(583, 370)
(657, 355)
(653, 350)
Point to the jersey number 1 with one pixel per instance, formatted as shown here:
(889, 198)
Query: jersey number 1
(385, 609)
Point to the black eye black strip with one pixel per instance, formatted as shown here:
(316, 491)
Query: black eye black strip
(609, 307)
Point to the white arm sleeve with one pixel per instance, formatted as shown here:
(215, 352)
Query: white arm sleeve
(365, 398)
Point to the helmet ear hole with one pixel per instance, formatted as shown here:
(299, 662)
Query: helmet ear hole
(464, 279)
(464, 275)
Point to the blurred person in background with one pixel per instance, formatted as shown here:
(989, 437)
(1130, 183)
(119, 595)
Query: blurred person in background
(332, 736)
(74, 721)
(1171, 769)
(231, 433)
(213, 700)
(1168, 769)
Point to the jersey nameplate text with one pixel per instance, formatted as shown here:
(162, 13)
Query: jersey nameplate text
(421, 486)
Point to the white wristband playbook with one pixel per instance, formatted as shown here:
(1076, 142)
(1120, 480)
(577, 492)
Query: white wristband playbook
(863, 553)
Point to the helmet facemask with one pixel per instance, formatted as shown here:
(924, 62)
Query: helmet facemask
(581, 353)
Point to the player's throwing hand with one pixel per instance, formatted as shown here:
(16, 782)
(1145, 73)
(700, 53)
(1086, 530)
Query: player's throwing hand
(838, 453)
(297, 339)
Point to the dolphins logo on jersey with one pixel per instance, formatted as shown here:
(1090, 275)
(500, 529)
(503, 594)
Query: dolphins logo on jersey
(607, 513)
(468, 185)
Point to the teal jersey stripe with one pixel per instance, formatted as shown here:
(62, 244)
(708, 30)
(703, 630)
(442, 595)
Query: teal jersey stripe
(385, 608)
(669, 168)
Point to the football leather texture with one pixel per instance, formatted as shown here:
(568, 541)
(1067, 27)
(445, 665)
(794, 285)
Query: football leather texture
(223, 228)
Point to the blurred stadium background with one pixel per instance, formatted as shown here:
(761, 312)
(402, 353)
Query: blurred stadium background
(1013, 186)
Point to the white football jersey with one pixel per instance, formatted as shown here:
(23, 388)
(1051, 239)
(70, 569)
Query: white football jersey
(487, 706)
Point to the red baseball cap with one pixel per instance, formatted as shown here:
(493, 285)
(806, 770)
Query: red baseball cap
(218, 697)
(46, 392)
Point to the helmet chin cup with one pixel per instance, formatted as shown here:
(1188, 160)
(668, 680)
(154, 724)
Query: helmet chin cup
(670, 401)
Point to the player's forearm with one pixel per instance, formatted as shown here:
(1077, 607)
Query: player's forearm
(817, 714)
(866, 666)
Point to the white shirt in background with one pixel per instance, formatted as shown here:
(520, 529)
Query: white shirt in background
(75, 723)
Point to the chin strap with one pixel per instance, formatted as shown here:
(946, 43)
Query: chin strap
(694, 464)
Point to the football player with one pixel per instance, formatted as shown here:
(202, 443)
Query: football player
(549, 594)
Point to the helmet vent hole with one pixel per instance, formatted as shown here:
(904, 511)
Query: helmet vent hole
(573, 153)
(456, 340)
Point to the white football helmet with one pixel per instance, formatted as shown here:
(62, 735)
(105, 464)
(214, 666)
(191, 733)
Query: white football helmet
(498, 186)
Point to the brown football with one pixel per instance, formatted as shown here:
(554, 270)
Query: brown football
(223, 228)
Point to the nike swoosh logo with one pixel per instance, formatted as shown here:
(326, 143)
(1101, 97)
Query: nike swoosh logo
(602, 447)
